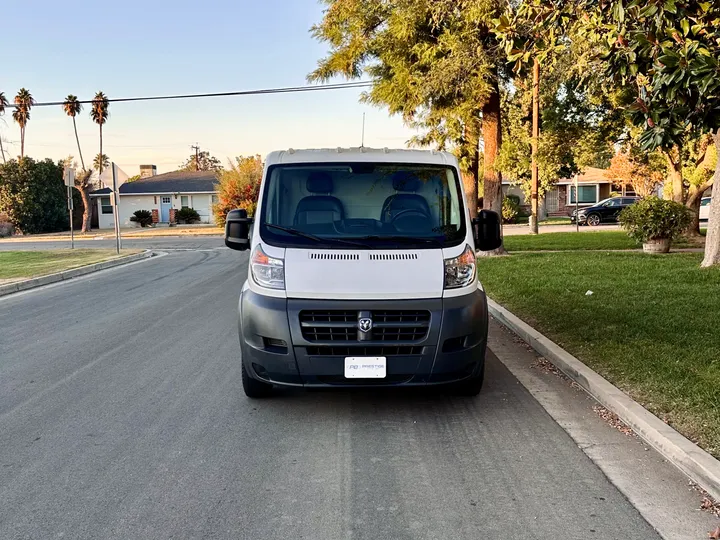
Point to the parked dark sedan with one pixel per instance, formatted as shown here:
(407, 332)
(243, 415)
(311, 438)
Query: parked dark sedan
(606, 211)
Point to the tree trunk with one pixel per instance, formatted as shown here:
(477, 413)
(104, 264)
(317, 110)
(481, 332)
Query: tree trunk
(101, 154)
(471, 180)
(87, 210)
(2, 150)
(675, 174)
(534, 200)
(22, 142)
(492, 179)
(712, 243)
(82, 161)
(694, 205)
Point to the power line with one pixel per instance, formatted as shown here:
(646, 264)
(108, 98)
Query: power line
(289, 90)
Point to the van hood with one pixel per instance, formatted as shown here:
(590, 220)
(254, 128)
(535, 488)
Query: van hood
(358, 275)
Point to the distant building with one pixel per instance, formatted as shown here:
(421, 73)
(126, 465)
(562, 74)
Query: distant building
(160, 193)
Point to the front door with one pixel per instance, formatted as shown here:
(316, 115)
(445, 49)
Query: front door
(165, 206)
(552, 201)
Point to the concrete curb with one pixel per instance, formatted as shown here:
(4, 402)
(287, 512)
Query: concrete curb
(700, 466)
(27, 284)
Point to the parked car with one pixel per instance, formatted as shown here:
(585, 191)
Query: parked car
(705, 209)
(606, 211)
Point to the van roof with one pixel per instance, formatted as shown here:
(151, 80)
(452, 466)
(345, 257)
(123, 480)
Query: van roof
(383, 155)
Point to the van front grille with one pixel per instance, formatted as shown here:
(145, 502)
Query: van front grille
(365, 351)
(398, 326)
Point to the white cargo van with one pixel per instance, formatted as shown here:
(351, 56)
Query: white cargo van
(362, 272)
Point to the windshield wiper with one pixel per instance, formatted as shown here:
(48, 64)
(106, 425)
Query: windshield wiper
(314, 238)
(405, 240)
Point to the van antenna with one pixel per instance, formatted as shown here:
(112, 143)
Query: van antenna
(362, 143)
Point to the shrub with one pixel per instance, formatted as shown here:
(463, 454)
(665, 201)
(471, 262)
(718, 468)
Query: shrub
(33, 195)
(510, 209)
(143, 217)
(655, 219)
(239, 187)
(187, 215)
(6, 228)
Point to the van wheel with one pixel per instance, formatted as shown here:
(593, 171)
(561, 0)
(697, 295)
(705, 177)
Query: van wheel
(253, 388)
(471, 387)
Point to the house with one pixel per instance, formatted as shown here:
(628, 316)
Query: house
(593, 187)
(159, 193)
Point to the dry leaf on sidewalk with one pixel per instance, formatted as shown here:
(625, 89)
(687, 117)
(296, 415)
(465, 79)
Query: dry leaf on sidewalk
(715, 535)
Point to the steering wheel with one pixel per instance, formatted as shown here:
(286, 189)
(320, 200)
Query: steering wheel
(420, 213)
(417, 221)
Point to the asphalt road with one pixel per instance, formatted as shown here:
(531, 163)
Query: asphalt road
(122, 416)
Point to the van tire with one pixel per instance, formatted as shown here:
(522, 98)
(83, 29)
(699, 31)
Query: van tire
(471, 387)
(253, 388)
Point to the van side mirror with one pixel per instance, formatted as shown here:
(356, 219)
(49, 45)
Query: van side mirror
(237, 230)
(486, 231)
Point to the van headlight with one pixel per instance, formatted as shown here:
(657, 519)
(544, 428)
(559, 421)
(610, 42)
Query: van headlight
(267, 271)
(460, 271)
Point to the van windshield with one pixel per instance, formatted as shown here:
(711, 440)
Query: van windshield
(384, 206)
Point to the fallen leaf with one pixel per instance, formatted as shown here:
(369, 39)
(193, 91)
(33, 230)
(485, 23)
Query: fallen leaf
(715, 535)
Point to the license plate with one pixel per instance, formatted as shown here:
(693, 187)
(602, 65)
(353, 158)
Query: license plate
(373, 367)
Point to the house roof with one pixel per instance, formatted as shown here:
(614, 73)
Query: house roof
(173, 182)
(591, 175)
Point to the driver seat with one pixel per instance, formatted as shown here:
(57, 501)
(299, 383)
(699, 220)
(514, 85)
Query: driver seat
(320, 207)
(407, 185)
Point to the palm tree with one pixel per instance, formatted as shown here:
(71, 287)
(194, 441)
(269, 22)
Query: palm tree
(72, 108)
(23, 102)
(101, 163)
(100, 114)
(3, 104)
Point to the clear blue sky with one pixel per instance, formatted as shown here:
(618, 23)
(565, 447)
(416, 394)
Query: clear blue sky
(151, 47)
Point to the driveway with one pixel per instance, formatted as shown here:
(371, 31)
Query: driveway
(122, 416)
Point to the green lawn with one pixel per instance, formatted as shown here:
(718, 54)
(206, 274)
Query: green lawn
(28, 264)
(573, 241)
(649, 326)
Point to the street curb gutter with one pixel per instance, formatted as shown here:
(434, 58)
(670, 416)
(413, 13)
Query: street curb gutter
(19, 286)
(700, 466)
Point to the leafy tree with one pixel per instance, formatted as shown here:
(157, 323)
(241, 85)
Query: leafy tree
(669, 53)
(33, 195)
(635, 168)
(100, 163)
(133, 178)
(72, 108)
(23, 103)
(100, 114)
(84, 185)
(577, 132)
(239, 187)
(4, 103)
(203, 162)
(433, 63)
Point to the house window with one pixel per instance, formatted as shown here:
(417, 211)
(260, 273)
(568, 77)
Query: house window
(184, 201)
(166, 200)
(214, 199)
(588, 194)
(106, 205)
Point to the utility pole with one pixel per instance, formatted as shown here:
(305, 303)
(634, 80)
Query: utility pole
(197, 156)
(535, 139)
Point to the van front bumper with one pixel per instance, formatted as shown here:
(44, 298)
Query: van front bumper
(275, 350)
